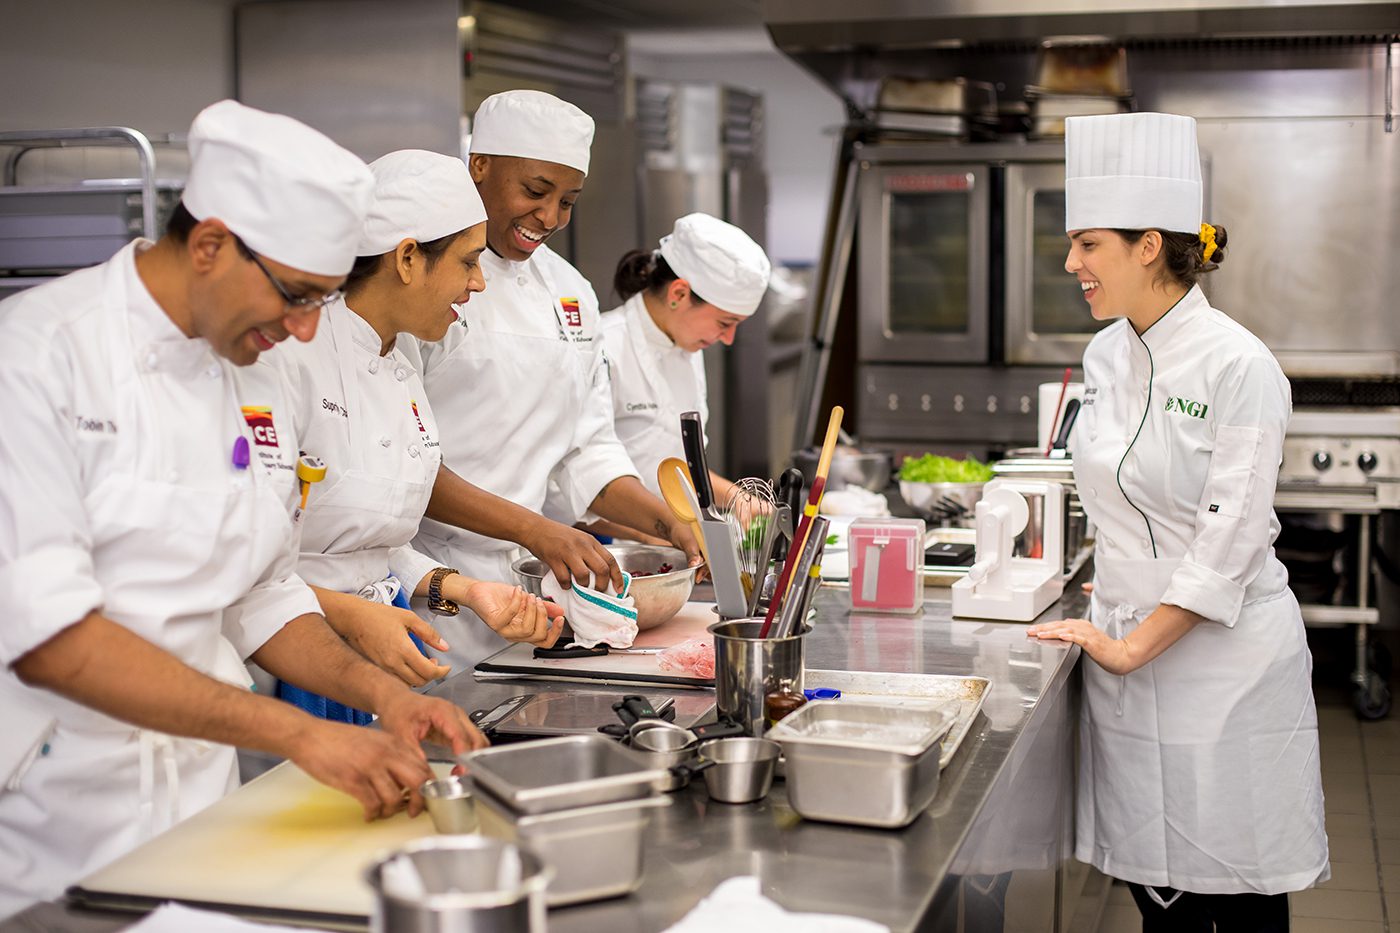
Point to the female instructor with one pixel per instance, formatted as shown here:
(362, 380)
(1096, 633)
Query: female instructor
(705, 279)
(1199, 780)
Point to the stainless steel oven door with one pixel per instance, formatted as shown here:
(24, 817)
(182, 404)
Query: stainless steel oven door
(1047, 319)
(923, 263)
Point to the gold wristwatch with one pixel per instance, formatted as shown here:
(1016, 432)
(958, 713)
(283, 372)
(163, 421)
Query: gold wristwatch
(436, 602)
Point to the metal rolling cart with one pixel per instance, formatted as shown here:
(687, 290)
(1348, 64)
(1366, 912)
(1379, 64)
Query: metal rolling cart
(1346, 462)
(47, 230)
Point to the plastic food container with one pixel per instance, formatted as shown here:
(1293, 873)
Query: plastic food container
(562, 774)
(849, 761)
(594, 852)
(887, 563)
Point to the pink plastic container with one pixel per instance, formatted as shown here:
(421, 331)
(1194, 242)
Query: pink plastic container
(887, 559)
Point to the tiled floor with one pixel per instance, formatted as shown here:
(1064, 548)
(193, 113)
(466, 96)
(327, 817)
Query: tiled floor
(1361, 781)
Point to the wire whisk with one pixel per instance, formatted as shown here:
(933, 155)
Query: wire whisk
(749, 509)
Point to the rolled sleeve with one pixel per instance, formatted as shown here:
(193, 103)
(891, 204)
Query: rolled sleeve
(410, 566)
(47, 578)
(262, 612)
(1235, 514)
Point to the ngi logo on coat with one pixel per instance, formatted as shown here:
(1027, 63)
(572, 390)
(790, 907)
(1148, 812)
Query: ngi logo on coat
(260, 423)
(1185, 406)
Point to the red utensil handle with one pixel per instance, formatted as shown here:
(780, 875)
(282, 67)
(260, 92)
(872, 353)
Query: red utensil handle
(814, 499)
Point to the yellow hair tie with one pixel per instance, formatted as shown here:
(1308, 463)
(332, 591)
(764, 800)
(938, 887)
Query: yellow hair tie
(1208, 238)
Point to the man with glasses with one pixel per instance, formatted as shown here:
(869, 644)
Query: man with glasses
(145, 542)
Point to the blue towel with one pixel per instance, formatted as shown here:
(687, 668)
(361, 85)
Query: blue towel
(324, 708)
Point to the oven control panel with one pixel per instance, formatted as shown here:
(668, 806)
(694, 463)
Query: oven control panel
(1340, 461)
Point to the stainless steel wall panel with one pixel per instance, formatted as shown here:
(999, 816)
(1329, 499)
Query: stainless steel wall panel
(1313, 212)
(374, 77)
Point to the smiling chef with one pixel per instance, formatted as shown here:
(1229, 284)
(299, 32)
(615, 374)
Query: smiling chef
(1199, 779)
(704, 279)
(144, 493)
(520, 384)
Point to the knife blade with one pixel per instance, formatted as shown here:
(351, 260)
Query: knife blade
(693, 440)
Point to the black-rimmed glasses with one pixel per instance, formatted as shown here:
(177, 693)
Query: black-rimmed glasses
(298, 305)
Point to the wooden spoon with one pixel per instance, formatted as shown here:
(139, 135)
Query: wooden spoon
(672, 475)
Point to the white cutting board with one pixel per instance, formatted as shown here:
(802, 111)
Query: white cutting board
(281, 842)
(691, 621)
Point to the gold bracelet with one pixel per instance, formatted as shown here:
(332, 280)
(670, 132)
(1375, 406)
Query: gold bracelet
(436, 601)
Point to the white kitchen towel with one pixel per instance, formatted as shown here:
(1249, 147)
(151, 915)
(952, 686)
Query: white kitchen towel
(596, 617)
(738, 906)
(176, 918)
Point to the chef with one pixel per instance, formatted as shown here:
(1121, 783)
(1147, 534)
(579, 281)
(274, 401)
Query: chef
(1199, 779)
(359, 407)
(705, 279)
(144, 493)
(520, 385)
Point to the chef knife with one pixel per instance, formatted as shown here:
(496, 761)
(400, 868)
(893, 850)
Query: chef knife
(693, 440)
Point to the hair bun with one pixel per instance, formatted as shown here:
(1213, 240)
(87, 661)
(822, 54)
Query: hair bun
(1221, 240)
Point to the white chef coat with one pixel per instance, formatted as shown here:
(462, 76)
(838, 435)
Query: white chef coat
(653, 381)
(1199, 771)
(367, 418)
(120, 495)
(520, 386)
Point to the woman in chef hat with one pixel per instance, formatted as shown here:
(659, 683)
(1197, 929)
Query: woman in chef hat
(705, 278)
(1199, 777)
(361, 409)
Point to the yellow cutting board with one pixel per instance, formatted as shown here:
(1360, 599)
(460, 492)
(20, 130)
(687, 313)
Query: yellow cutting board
(282, 842)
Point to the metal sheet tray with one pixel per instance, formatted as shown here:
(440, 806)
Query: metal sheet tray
(559, 774)
(916, 689)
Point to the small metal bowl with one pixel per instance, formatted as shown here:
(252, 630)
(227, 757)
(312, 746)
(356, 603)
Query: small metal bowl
(658, 596)
(450, 804)
(742, 769)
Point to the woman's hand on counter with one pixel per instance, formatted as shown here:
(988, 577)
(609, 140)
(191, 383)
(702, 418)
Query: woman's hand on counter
(1164, 627)
(380, 634)
(512, 613)
(1111, 654)
(573, 555)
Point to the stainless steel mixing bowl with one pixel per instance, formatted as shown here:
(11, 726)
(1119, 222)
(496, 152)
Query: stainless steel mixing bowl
(658, 595)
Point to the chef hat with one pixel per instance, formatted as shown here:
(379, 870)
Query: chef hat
(418, 195)
(287, 191)
(721, 262)
(1132, 171)
(533, 125)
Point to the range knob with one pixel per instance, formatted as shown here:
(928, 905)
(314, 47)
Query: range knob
(1322, 460)
(1366, 460)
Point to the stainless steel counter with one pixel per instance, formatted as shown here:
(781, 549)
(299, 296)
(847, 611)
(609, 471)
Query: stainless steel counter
(987, 855)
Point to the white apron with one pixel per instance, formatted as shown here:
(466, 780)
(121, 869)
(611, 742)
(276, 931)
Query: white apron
(176, 535)
(512, 396)
(1200, 771)
(646, 379)
(379, 444)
